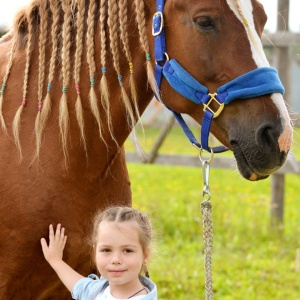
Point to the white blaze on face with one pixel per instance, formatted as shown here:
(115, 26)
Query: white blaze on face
(286, 137)
(243, 10)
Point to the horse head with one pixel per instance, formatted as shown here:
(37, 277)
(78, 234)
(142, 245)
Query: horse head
(217, 44)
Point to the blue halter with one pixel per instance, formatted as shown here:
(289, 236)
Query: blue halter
(261, 81)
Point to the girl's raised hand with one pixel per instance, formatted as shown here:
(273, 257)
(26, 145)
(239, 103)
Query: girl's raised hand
(54, 253)
(57, 241)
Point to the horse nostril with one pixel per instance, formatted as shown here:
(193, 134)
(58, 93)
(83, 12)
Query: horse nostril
(266, 138)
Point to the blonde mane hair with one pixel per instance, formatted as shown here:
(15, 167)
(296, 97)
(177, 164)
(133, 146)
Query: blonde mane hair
(80, 17)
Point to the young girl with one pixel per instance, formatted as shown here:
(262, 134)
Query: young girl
(121, 246)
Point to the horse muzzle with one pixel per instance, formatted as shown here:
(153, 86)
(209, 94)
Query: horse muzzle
(264, 156)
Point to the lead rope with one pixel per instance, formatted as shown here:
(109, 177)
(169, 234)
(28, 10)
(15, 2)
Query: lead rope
(206, 208)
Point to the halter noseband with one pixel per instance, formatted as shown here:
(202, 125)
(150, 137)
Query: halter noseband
(258, 82)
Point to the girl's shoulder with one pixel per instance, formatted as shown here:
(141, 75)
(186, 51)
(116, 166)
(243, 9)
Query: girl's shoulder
(88, 288)
(151, 286)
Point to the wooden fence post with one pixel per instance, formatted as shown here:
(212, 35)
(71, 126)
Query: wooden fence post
(283, 61)
(277, 200)
(283, 53)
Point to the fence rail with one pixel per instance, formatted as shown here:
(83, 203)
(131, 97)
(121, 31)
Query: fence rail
(281, 39)
(291, 166)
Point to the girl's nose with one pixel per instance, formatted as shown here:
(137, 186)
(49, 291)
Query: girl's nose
(116, 259)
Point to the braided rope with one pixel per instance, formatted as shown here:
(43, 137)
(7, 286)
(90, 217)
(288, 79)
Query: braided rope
(206, 208)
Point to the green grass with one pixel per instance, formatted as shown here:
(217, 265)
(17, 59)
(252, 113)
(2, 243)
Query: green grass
(250, 260)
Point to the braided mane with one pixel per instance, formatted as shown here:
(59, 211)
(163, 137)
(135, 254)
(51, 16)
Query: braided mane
(63, 24)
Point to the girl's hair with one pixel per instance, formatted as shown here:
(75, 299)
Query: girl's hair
(120, 214)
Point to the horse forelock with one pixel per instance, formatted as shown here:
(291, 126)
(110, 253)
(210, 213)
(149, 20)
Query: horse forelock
(59, 22)
(243, 9)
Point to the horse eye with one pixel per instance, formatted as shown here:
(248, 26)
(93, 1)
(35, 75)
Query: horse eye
(205, 23)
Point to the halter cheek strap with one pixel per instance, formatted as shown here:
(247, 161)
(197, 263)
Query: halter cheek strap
(258, 82)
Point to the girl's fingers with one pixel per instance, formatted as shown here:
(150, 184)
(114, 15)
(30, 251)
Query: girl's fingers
(56, 235)
(43, 242)
(44, 245)
(64, 241)
(62, 234)
(51, 232)
(58, 227)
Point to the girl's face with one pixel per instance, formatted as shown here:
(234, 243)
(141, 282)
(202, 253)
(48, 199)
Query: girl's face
(119, 253)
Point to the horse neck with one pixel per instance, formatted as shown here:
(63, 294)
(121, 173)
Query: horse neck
(116, 115)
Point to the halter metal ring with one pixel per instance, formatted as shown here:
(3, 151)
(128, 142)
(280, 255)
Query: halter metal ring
(206, 160)
(200, 154)
(166, 56)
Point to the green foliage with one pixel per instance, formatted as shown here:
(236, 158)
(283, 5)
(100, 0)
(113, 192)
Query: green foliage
(250, 260)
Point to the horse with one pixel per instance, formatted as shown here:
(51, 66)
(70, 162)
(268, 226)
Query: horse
(77, 75)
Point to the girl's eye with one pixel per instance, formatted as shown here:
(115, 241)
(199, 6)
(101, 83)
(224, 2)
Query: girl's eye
(105, 250)
(128, 250)
(205, 23)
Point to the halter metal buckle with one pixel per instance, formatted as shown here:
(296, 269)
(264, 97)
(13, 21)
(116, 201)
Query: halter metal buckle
(158, 23)
(213, 98)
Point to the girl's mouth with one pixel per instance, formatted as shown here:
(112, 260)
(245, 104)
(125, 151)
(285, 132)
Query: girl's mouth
(116, 272)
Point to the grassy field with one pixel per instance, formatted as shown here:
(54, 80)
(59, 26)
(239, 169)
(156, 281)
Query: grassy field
(250, 261)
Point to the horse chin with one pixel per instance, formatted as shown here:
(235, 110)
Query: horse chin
(247, 168)
(248, 173)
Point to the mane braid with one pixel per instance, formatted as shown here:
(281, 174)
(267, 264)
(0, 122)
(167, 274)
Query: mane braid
(4, 82)
(124, 38)
(103, 81)
(77, 67)
(125, 42)
(46, 106)
(39, 124)
(63, 108)
(91, 63)
(113, 36)
(141, 21)
(17, 118)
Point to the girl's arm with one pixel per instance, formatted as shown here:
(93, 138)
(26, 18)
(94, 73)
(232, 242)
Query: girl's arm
(54, 253)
